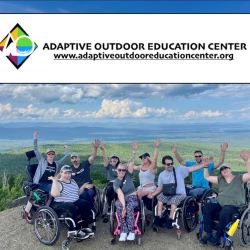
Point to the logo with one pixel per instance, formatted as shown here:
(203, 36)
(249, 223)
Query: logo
(17, 46)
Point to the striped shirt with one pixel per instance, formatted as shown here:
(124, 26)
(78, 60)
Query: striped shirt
(69, 192)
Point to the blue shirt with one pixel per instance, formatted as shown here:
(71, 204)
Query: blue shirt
(198, 179)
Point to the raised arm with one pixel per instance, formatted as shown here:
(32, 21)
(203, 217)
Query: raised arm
(131, 162)
(35, 138)
(95, 146)
(245, 157)
(205, 163)
(212, 179)
(66, 154)
(156, 153)
(56, 186)
(223, 149)
(105, 157)
(177, 155)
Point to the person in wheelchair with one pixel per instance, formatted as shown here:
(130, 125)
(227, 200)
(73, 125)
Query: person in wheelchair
(199, 183)
(47, 167)
(81, 173)
(66, 201)
(127, 201)
(231, 195)
(171, 189)
(111, 169)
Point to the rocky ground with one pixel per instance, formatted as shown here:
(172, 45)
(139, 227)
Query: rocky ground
(16, 234)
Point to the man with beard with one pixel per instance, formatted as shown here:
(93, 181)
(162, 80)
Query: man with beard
(199, 183)
(81, 173)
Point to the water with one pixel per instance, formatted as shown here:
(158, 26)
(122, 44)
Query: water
(237, 135)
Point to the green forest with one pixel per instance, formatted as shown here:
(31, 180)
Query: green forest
(13, 163)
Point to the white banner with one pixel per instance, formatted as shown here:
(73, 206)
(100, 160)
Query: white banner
(124, 48)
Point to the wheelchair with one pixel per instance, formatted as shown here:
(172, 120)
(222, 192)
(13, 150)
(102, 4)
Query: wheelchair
(45, 220)
(244, 223)
(139, 223)
(186, 215)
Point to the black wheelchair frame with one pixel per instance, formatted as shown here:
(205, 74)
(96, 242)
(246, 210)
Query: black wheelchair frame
(42, 216)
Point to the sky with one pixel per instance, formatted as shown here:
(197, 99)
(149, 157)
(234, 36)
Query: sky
(129, 6)
(103, 103)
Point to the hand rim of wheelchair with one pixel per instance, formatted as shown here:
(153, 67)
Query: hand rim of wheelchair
(49, 218)
(242, 226)
(195, 217)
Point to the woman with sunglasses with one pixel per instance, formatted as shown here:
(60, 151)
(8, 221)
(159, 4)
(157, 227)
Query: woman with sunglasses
(111, 170)
(127, 201)
(147, 170)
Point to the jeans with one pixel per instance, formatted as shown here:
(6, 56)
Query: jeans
(195, 192)
(45, 186)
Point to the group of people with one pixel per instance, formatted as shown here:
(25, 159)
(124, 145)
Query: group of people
(73, 188)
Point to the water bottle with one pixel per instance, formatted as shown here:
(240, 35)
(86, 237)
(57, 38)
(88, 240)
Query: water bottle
(233, 228)
(37, 197)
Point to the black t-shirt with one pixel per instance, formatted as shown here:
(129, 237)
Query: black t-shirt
(81, 174)
(49, 171)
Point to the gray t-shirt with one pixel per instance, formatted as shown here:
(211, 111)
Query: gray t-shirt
(111, 172)
(128, 186)
(167, 177)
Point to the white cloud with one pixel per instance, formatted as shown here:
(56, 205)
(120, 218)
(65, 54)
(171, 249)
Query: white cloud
(202, 114)
(126, 109)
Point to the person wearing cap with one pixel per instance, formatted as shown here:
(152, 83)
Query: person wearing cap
(171, 175)
(111, 170)
(66, 200)
(127, 200)
(81, 173)
(199, 183)
(147, 170)
(47, 166)
(231, 194)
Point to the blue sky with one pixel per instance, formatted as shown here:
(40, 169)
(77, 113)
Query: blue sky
(129, 6)
(161, 103)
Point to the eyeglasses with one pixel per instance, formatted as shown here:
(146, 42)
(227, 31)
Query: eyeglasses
(196, 156)
(50, 154)
(121, 170)
(169, 164)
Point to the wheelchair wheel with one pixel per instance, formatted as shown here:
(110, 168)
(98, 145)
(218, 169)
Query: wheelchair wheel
(190, 214)
(245, 228)
(46, 225)
(112, 218)
(208, 193)
(98, 203)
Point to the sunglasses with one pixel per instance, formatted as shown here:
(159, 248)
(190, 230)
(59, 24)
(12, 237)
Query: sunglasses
(121, 170)
(169, 164)
(196, 156)
(50, 154)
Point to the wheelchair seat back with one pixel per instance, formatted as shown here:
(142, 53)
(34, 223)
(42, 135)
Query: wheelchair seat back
(30, 171)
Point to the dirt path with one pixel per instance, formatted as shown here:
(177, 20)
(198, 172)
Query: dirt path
(16, 234)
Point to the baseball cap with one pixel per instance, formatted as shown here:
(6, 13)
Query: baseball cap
(224, 166)
(144, 155)
(50, 150)
(74, 155)
(66, 168)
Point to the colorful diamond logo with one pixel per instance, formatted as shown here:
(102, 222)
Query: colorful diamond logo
(17, 46)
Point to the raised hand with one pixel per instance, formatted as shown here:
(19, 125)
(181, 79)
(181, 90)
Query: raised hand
(135, 147)
(101, 146)
(35, 135)
(244, 155)
(96, 143)
(224, 147)
(174, 149)
(157, 143)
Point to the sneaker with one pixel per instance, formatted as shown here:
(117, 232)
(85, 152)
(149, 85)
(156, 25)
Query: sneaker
(123, 237)
(131, 236)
